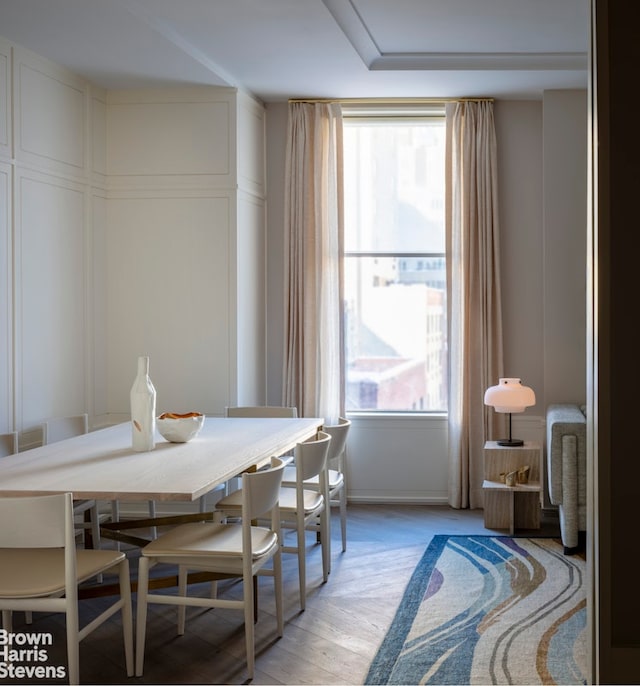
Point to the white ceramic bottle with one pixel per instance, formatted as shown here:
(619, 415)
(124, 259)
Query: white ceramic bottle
(143, 408)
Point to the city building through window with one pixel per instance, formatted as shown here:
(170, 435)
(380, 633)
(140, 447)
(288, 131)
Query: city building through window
(395, 267)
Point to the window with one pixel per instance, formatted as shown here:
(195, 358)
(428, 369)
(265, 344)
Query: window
(395, 267)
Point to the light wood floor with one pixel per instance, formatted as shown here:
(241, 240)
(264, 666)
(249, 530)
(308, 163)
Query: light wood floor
(332, 642)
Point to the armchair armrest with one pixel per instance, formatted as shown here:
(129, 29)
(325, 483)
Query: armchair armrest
(566, 453)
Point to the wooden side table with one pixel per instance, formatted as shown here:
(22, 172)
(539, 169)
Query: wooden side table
(517, 506)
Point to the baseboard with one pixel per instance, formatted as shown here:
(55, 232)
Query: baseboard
(397, 500)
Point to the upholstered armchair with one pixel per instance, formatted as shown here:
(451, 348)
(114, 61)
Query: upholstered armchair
(567, 472)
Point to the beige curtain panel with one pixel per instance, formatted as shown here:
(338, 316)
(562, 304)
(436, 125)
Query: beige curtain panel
(473, 273)
(313, 356)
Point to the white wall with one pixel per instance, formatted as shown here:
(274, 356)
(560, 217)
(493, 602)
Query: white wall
(519, 135)
(132, 223)
(565, 246)
(6, 263)
(172, 232)
(46, 184)
(250, 254)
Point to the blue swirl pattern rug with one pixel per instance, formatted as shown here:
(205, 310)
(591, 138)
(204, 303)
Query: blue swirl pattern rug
(489, 610)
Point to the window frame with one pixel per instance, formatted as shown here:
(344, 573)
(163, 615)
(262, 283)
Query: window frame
(401, 114)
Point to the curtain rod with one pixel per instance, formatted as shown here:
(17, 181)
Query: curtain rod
(389, 101)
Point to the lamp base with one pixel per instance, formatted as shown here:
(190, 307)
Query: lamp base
(511, 442)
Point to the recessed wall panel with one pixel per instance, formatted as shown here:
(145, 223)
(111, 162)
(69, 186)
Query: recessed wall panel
(5, 109)
(99, 303)
(168, 138)
(167, 297)
(6, 273)
(50, 119)
(251, 301)
(50, 245)
(98, 136)
(251, 146)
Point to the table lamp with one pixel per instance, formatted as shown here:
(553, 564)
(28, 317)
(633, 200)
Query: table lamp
(509, 396)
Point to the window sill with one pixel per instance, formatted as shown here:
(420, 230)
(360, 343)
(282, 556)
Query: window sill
(389, 416)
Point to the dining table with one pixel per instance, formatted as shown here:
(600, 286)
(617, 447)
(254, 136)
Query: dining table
(102, 465)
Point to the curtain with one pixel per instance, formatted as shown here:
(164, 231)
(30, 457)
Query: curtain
(473, 293)
(313, 356)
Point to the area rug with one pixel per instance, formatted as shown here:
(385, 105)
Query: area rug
(489, 610)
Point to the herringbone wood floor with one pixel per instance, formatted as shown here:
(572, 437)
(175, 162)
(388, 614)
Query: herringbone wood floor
(332, 642)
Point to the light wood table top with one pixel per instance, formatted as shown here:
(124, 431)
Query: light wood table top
(102, 465)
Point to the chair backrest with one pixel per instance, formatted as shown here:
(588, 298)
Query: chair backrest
(64, 427)
(262, 411)
(8, 443)
(44, 521)
(261, 489)
(338, 433)
(311, 456)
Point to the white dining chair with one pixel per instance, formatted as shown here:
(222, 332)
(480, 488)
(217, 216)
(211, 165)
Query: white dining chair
(300, 507)
(336, 472)
(41, 568)
(58, 429)
(246, 411)
(236, 550)
(258, 411)
(9, 446)
(8, 443)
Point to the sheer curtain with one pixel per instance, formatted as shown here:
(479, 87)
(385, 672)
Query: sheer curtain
(313, 356)
(473, 274)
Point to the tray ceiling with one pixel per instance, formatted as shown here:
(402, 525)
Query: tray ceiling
(277, 49)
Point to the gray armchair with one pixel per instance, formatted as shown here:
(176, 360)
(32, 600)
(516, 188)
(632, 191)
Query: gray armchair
(567, 472)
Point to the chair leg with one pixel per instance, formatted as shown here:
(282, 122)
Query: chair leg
(152, 514)
(141, 614)
(343, 517)
(95, 526)
(325, 524)
(247, 591)
(182, 591)
(127, 613)
(95, 533)
(115, 516)
(277, 583)
(302, 572)
(7, 620)
(73, 641)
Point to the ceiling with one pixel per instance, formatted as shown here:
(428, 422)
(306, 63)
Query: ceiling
(279, 49)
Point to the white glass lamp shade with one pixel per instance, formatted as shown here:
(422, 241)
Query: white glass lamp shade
(509, 396)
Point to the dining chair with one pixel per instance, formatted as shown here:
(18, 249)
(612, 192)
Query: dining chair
(248, 411)
(59, 429)
(8, 443)
(235, 550)
(336, 472)
(300, 507)
(9, 446)
(41, 569)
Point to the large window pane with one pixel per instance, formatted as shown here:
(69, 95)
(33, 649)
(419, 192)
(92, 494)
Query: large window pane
(395, 267)
(396, 334)
(394, 176)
